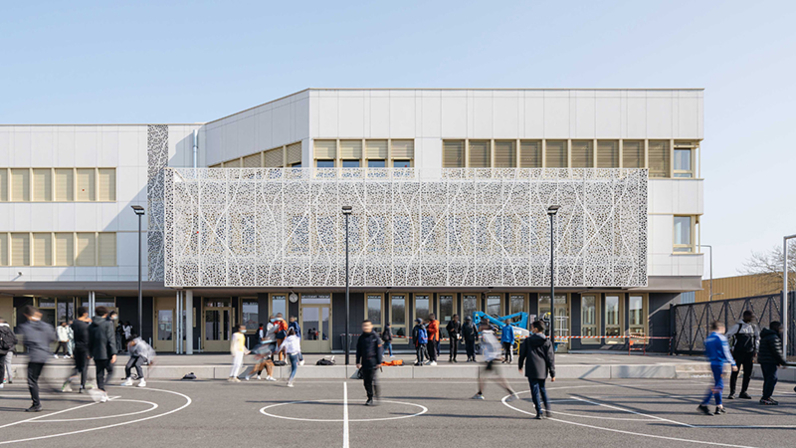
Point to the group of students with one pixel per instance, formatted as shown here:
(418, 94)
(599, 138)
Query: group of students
(748, 343)
(279, 339)
(425, 337)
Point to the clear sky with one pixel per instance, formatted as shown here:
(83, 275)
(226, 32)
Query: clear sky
(156, 61)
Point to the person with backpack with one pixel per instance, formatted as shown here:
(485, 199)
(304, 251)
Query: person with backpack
(745, 337)
(469, 334)
(37, 337)
(102, 347)
(140, 353)
(454, 329)
(770, 359)
(717, 350)
(7, 342)
(369, 357)
(507, 340)
(433, 338)
(491, 347)
(81, 350)
(538, 358)
(420, 338)
(386, 337)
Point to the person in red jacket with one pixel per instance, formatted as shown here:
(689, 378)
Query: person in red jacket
(281, 333)
(433, 339)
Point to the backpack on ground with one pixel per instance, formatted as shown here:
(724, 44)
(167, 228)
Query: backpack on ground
(326, 361)
(395, 362)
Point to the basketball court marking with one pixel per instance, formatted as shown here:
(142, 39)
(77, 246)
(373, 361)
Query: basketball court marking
(154, 406)
(265, 409)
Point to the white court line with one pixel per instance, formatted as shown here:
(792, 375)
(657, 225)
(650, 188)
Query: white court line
(634, 412)
(345, 415)
(40, 416)
(154, 406)
(264, 409)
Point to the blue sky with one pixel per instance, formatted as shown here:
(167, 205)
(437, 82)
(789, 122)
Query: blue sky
(145, 62)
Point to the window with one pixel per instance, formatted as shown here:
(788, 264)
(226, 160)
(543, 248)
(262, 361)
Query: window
(613, 318)
(42, 185)
(398, 316)
(376, 163)
(374, 311)
(351, 149)
(86, 249)
(659, 158)
(57, 184)
(633, 154)
(516, 305)
(401, 163)
(505, 154)
(422, 306)
(250, 313)
(326, 149)
(531, 154)
(252, 161)
(293, 155)
(683, 161)
(637, 314)
(20, 249)
(106, 180)
(376, 149)
(403, 150)
(469, 304)
(58, 249)
(106, 250)
(556, 154)
(20, 185)
(42, 249)
(582, 154)
(453, 154)
(589, 315)
(607, 154)
(64, 184)
(64, 249)
(3, 185)
(3, 249)
(480, 154)
(494, 305)
(350, 163)
(273, 158)
(279, 304)
(447, 308)
(85, 184)
(324, 163)
(683, 231)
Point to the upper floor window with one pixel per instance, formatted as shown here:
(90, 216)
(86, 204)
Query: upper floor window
(279, 157)
(453, 154)
(377, 153)
(58, 249)
(659, 159)
(683, 159)
(683, 234)
(57, 184)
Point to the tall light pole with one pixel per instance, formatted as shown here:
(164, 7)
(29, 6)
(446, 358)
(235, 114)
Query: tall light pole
(140, 212)
(785, 316)
(551, 211)
(710, 292)
(346, 213)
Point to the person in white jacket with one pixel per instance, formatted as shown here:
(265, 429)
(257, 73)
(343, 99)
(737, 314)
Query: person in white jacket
(237, 347)
(62, 332)
(292, 347)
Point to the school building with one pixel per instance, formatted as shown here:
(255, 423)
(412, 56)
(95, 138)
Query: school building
(449, 190)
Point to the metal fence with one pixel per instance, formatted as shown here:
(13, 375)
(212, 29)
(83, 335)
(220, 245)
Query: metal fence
(691, 322)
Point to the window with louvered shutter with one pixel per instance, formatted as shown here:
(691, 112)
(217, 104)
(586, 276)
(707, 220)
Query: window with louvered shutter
(217, 165)
(273, 158)
(106, 178)
(3, 249)
(20, 249)
(531, 154)
(20, 185)
(64, 249)
(480, 156)
(252, 161)
(659, 158)
(85, 184)
(107, 249)
(64, 184)
(293, 154)
(3, 185)
(350, 149)
(376, 149)
(505, 154)
(582, 154)
(86, 249)
(556, 154)
(404, 149)
(42, 249)
(325, 149)
(632, 154)
(452, 154)
(234, 163)
(607, 154)
(42, 185)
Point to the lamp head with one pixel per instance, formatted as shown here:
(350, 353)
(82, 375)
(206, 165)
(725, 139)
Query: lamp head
(138, 209)
(553, 209)
(347, 209)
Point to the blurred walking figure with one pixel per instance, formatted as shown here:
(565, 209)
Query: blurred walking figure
(369, 356)
(745, 337)
(469, 334)
(717, 349)
(420, 338)
(7, 342)
(237, 347)
(292, 348)
(296, 329)
(70, 346)
(507, 340)
(81, 352)
(538, 358)
(140, 353)
(102, 347)
(770, 358)
(454, 333)
(262, 353)
(386, 337)
(113, 316)
(37, 337)
(491, 349)
(63, 340)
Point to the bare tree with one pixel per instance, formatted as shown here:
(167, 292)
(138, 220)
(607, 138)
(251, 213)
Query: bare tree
(768, 265)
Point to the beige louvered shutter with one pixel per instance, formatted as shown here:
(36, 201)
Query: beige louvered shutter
(273, 158)
(107, 184)
(632, 154)
(350, 149)
(479, 154)
(20, 185)
(405, 149)
(325, 149)
(252, 161)
(531, 154)
(659, 158)
(42, 249)
(86, 249)
(452, 154)
(85, 184)
(42, 185)
(107, 249)
(217, 165)
(607, 154)
(20, 249)
(3, 185)
(64, 184)
(556, 154)
(582, 154)
(3, 249)
(234, 163)
(376, 149)
(64, 249)
(505, 154)
(293, 154)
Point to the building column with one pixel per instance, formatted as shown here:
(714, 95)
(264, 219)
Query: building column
(92, 303)
(188, 330)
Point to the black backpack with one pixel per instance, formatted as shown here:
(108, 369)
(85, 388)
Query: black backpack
(6, 344)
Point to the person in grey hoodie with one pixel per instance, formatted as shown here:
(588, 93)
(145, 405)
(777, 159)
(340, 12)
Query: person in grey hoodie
(37, 337)
(102, 347)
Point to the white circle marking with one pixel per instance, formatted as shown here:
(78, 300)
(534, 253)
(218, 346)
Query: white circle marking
(264, 411)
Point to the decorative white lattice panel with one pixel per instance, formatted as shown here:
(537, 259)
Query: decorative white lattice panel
(470, 227)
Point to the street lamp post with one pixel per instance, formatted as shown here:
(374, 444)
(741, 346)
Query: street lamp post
(551, 211)
(710, 292)
(347, 213)
(140, 212)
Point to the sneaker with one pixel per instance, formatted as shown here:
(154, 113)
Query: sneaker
(731, 397)
(745, 396)
(289, 384)
(513, 397)
(768, 402)
(720, 410)
(231, 379)
(259, 377)
(393, 356)
(369, 402)
(127, 382)
(548, 413)
(95, 394)
(433, 363)
(478, 396)
(66, 388)
(104, 398)
(270, 378)
(246, 377)
(141, 383)
(33, 409)
(538, 417)
(2, 385)
(301, 363)
(773, 401)
(704, 409)
(55, 356)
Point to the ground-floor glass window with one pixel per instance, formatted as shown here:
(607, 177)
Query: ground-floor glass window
(613, 318)
(637, 315)
(250, 313)
(398, 317)
(447, 308)
(375, 311)
(494, 304)
(469, 305)
(422, 306)
(589, 315)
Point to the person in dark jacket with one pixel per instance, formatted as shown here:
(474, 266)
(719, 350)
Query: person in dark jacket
(454, 329)
(82, 355)
(102, 347)
(386, 337)
(538, 358)
(746, 340)
(7, 342)
(37, 337)
(369, 357)
(420, 339)
(469, 334)
(770, 358)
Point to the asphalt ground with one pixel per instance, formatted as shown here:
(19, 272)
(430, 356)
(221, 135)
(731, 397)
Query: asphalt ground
(639, 412)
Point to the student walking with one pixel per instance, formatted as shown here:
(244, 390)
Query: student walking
(433, 338)
(7, 342)
(507, 340)
(81, 351)
(37, 337)
(745, 337)
(102, 347)
(140, 353)
(63, 340)
(420, 338)
(717, 349)
(262, 353)
(291, 346)
(297, 330)
(70, 346)
(538, 358)
(237, 348)
(386, 337)
(118, 339)
(369, 357)
(491, 349)
(454, 329)
(770, 358)
(469, 334)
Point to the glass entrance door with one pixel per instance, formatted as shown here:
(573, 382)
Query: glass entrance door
(316, 325)
(165, 311)
(216, 326)
(562, 318)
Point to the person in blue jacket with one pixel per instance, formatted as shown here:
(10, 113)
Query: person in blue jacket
(507, 340)
(717, 349)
